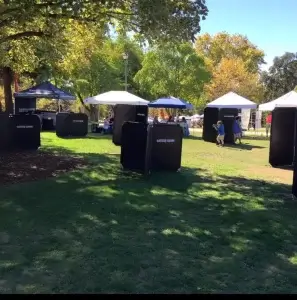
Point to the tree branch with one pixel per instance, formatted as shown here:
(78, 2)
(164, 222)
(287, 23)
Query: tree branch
(21, 35)
(80, 98)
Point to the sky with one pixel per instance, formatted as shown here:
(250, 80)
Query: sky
(269, 24)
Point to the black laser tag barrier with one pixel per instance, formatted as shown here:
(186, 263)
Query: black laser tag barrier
(294, 185)
(211, 116)
(155, 147)
(283, 136)
(166, 147)
(124, 113)
(135, 147)
(71, 124)
(26, 132)
(23, 105)
(6, 137)
(19, 132)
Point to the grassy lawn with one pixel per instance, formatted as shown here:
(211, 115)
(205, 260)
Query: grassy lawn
(225, 223)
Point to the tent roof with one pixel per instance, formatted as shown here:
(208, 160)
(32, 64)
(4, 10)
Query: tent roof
(232, 100)
(116, 97)
(171, 102)
(287, 100)
(44, 90)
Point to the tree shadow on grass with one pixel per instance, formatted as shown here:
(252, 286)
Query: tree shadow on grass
(243, 146)
(193, 137)
(89, 136)
(256, 137)
(95, 230)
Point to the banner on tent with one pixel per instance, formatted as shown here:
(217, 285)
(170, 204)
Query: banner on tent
(258, 122)
(245, 118)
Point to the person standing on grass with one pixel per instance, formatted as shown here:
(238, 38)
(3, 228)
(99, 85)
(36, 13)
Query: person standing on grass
(237, 131)
(268, 124)
(221, 133)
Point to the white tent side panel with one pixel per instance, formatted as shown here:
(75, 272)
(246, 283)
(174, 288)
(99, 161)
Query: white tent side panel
(245, 118)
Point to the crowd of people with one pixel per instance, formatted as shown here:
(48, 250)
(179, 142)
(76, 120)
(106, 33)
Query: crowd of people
(171, 120)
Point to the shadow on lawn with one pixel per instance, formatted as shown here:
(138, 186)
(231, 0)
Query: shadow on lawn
(90, 136)
(243, 146)
(95, 230)
(256, 137)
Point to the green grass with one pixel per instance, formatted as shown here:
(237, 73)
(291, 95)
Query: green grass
(225, 223)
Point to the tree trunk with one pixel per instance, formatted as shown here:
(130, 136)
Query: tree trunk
(80, 98)
(7, 81)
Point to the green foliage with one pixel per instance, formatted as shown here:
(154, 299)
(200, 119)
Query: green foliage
(223, 45)
(94, 64)
(173, 70)
(232, 75)
(34, 33)
(281, 77)
(154, 19)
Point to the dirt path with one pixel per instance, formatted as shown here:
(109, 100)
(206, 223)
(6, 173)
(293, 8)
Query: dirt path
(30, 166)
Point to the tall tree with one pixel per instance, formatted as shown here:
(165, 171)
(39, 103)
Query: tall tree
(45, 19)
(173, 70)
(232, 75)
(281, 77)
(154, 19)
(94, 65)
(223, 45)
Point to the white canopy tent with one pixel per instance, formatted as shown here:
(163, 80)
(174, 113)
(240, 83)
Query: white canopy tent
(232, 100)
(116, 97)
(287, 100)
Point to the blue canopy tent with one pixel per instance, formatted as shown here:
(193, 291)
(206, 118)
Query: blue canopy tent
(170, 102)
(26, 100)
(173, 103)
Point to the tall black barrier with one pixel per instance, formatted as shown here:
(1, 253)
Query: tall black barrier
(22, 105)
(227, 116)
(282, 138)
(5, 132)
(127, 113)
(70, 124)
(25, 132)
(166, 147)
(78, 124)
(135, 147)
(294, 185)
(211, 115)
(62, 127)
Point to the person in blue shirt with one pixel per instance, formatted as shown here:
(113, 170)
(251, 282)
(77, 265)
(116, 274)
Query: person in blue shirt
(237, 131)
(221, 133)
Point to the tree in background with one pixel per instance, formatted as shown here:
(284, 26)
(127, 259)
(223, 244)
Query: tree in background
(223, 45)
(234, 63)
(281, 77)
(28, 23)
(173, 70)
(232, 75)
(95, 65)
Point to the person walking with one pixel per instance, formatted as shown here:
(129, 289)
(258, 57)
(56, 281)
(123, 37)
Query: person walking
(221, 133)
(268, 124)
(237, 131)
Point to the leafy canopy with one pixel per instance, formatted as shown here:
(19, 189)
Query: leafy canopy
(232, 75)
(173, 70)
(223, 45)
(281, 77)
(154, 19)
